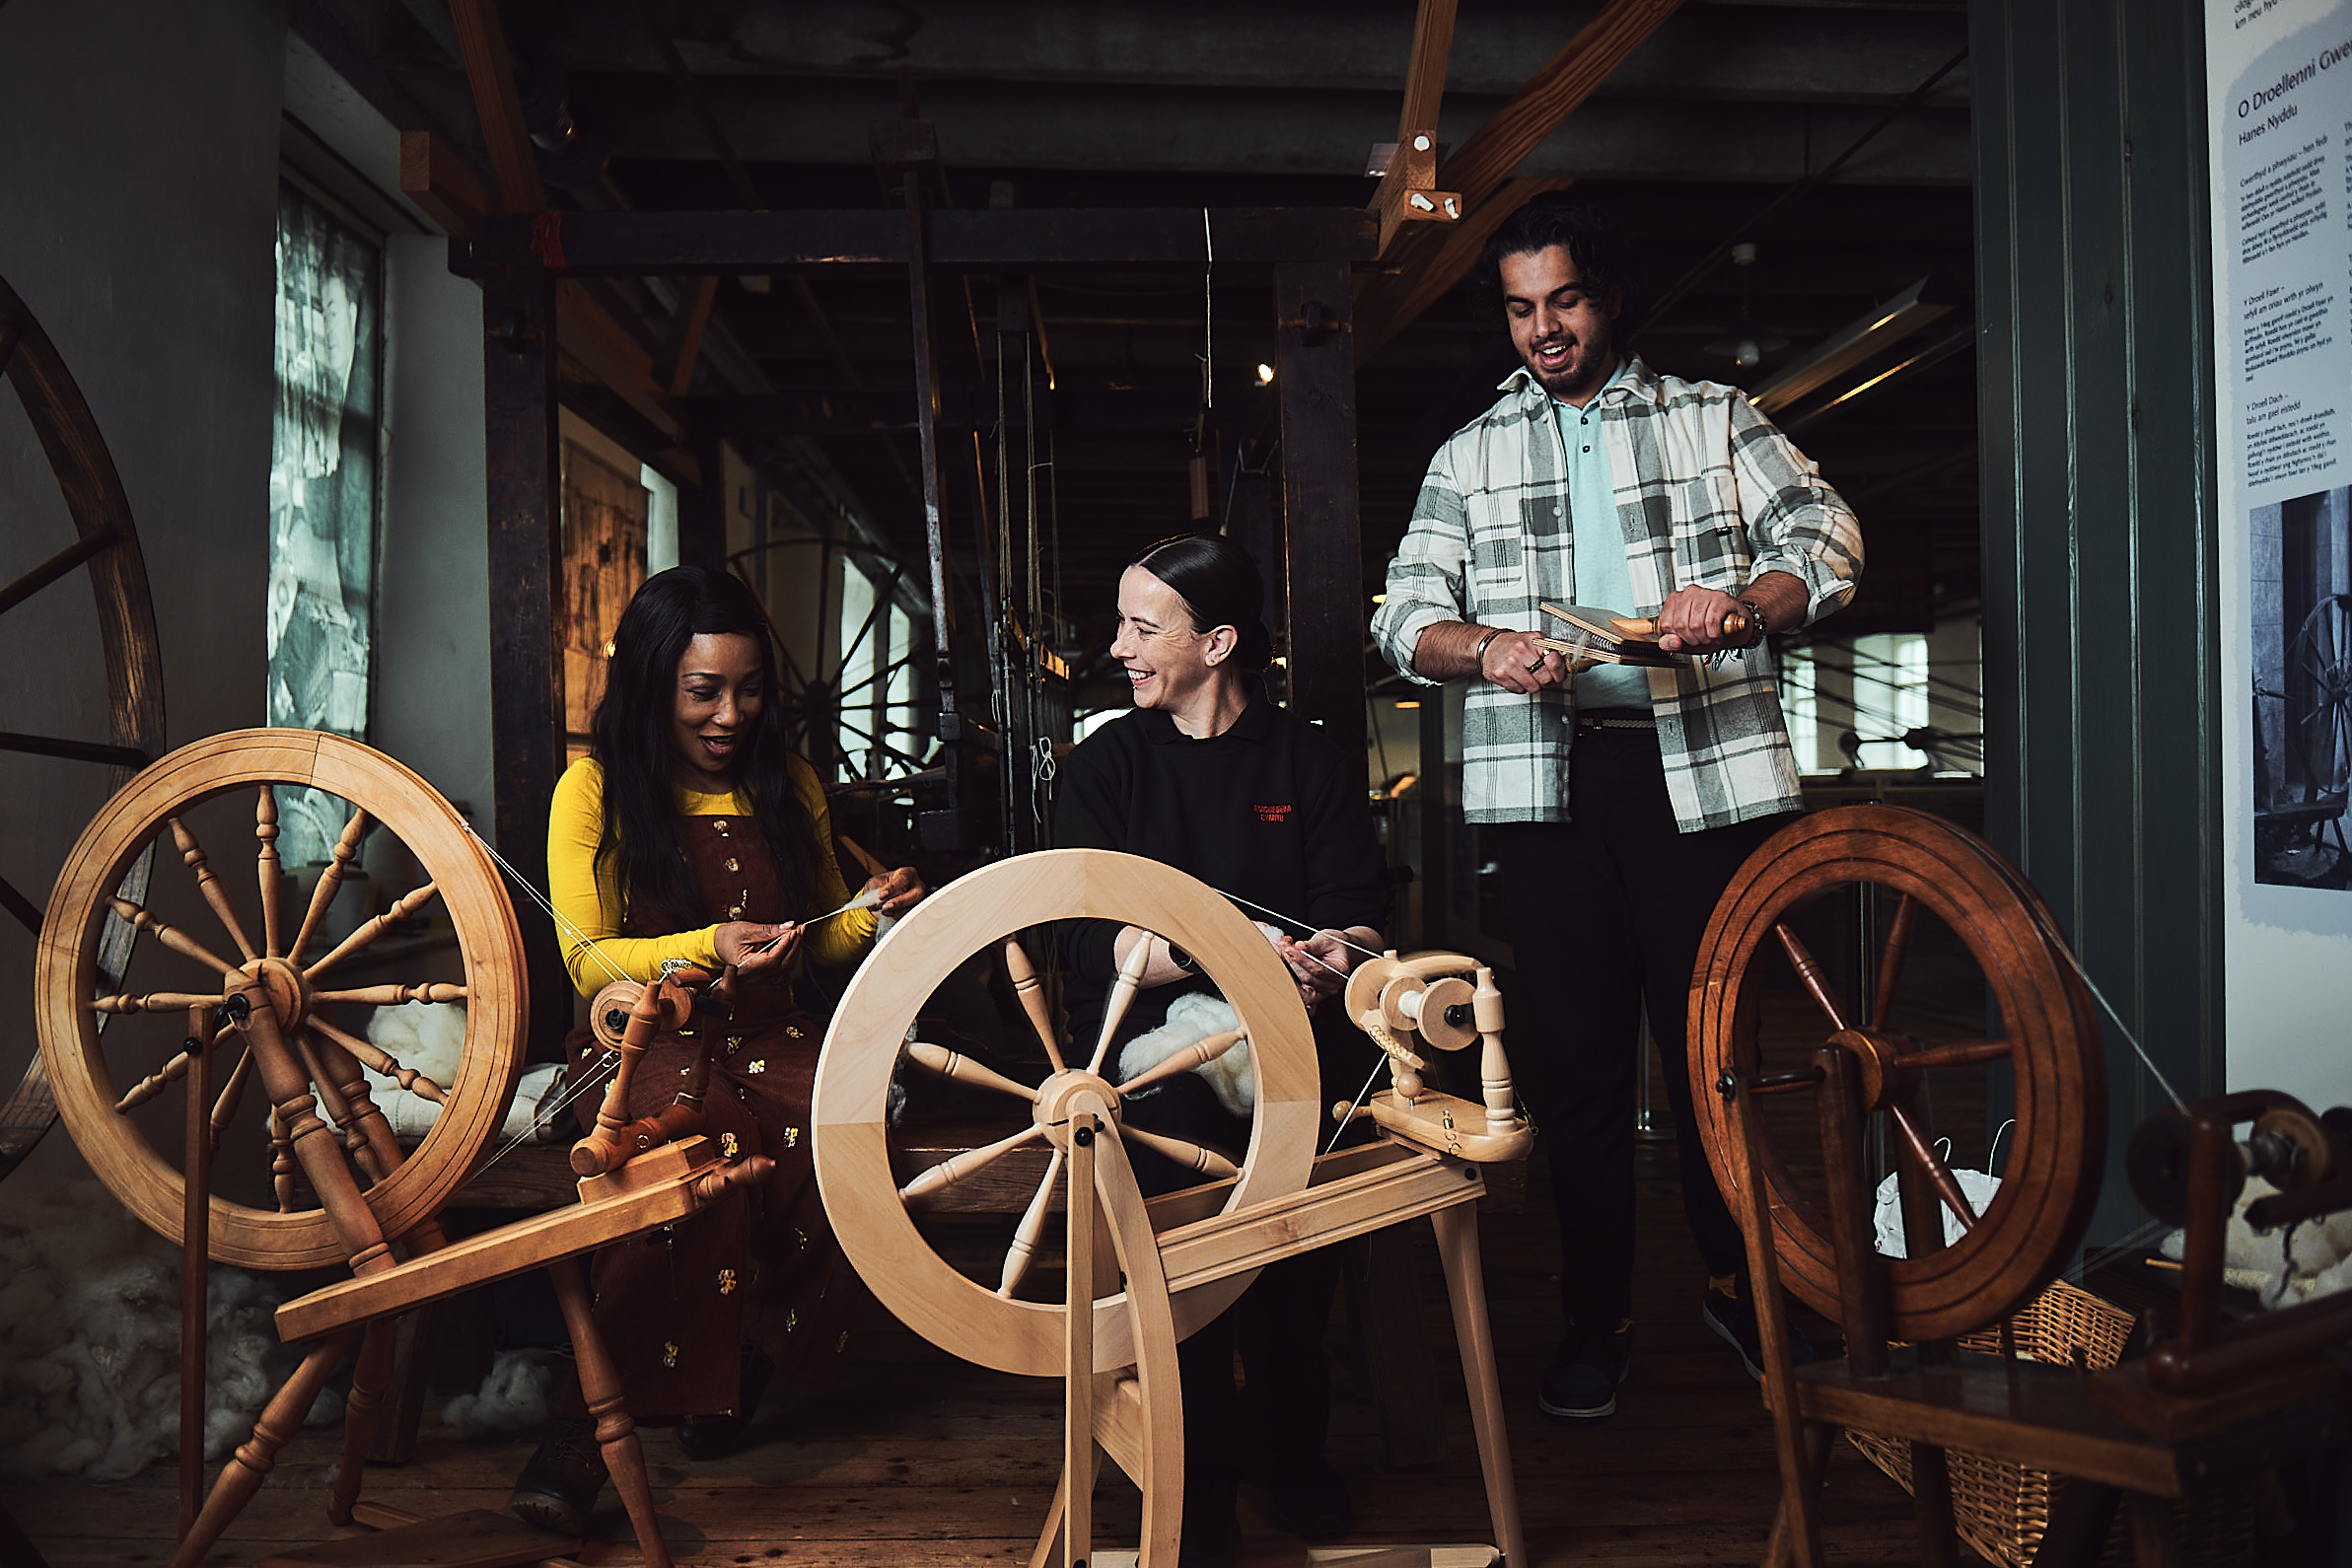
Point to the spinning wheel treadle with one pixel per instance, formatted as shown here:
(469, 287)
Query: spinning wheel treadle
(278, 961)
(2050, 1038)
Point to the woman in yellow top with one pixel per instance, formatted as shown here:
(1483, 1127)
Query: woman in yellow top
(692, 833)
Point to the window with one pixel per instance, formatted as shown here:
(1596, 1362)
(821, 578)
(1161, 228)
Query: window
(1889, 697)
(322, 494)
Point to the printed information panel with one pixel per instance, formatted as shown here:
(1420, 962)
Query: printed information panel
(2279, 74)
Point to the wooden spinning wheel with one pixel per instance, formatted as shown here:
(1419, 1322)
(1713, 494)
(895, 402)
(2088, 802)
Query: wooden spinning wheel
(1175, 1261)
(287, 970)
(107, 541)
(2049, 1037)
(964, 1317)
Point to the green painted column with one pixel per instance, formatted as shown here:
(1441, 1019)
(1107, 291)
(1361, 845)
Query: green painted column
(2101, 642)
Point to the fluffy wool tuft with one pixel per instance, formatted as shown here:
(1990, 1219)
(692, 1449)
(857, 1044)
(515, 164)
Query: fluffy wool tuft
(90, 1341)
(1191, 1019)
(430, 1038)
(2284, 1267)
(513, 1397)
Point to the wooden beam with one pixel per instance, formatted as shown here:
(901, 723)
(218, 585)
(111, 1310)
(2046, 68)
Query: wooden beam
(692, 321)
(967, 239)
(490, 72)
(1479, 169)
(1550, 96)
(432, 177)
(604, 349)
(525, 554)
(1409, 190)
(1386, 306)
(1425, 70)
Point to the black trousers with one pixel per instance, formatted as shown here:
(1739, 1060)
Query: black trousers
(1606, 910)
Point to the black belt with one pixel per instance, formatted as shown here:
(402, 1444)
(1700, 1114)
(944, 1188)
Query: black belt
(1615, 719)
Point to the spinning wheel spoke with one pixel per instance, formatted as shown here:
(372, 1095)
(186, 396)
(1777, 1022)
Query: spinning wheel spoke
(432, 991)
(1198, 1054)
(1031, 1226)
(1122, 994)
(330, 879)
(365, 936)
(1939, 1175)
(191, 854)
(383, 1061)
(265, 831)
(163, 1077)
(224, 1107)
(1809, 970)
(72, 750)
(66, 559)
(1192, 1156)
(1890, 962)
(176, 940)
(28, 912)
(961, 1068)
(1033, 1002)
(961, 1167)
(154, 1002)
(1970, 1054)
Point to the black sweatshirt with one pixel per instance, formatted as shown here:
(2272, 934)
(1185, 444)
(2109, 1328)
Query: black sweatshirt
(1264, 810)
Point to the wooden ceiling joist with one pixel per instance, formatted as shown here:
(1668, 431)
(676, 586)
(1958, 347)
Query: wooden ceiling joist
(1431, 262)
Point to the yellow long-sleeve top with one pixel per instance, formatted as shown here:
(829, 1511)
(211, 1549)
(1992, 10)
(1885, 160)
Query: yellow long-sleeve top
(590, 899)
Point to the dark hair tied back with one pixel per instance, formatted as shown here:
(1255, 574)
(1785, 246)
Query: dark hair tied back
(1220, 583)
(634, 741)
(1555, 218)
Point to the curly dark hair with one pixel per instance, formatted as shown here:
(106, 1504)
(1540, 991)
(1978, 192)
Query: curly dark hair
(1593, 239)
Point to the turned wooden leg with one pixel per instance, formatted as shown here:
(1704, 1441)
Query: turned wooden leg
(361, 1409)
(616, 1434)
(1931, 1504)
(241, 1476)
(1466, 1287)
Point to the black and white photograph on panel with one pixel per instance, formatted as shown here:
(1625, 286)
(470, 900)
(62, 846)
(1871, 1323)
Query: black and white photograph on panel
(2301, 603)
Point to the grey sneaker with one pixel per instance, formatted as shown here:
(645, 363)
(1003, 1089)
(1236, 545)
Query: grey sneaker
(1582, 1385)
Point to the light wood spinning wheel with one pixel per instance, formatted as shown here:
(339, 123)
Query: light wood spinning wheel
(1175, 1261)
(107, 541)
(268, 957)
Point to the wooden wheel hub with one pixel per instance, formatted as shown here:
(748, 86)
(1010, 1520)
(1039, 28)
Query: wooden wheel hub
(1879, 1058)
(1071, 1091)
(289, 993)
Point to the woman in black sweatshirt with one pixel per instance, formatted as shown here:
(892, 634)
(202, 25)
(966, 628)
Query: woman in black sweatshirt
(1209, 776)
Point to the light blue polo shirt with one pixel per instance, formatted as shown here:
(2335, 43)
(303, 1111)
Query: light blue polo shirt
(1601, 581)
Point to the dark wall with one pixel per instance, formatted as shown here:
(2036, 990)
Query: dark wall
(2100, 645)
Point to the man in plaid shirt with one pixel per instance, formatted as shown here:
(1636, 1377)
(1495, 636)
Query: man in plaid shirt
(1621, 800)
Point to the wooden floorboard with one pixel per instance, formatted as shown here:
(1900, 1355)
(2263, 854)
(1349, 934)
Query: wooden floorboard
(912, 1459)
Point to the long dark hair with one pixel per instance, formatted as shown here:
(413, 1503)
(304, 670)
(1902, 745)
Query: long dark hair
(1220, 585)
(631, 738)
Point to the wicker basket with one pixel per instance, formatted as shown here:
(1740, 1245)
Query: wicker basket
(2003, 1509)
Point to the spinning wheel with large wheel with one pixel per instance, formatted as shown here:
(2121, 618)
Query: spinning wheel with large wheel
(263, 951)
(2047, 1033)
(106, 543)
(1178, 1260)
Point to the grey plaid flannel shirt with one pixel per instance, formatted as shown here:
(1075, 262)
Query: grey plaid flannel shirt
(1709, 493)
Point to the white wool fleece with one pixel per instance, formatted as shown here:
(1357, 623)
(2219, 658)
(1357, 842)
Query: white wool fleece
(1191, 1019)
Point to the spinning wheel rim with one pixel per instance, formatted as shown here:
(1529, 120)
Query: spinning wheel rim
(850, 1144)
(490, 945)
(2052, 1182)
(94, 499)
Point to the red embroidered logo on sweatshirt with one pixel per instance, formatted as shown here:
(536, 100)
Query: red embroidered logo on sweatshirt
(1272, 813)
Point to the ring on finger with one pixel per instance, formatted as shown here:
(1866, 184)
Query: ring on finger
(1538, 665)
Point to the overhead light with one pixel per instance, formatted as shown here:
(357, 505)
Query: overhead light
(1379, 599)
(1847, 347)
(1265, 375)
(1409, 702)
